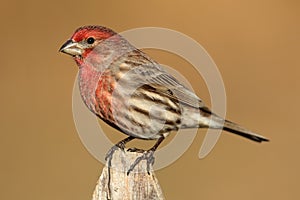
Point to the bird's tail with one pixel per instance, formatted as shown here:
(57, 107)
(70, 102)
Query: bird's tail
(237, 129)
(219, 123)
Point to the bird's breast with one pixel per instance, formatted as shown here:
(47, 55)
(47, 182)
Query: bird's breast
(104, 95)
(95, 89)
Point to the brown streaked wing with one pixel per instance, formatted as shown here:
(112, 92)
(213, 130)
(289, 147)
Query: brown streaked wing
(150, 72)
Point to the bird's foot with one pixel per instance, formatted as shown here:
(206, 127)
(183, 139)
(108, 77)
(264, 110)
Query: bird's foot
(110, 153)
(119, 145)
(112, 150)
(147, 155)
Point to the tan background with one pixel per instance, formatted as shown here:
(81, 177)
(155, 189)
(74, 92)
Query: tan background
(255, 45)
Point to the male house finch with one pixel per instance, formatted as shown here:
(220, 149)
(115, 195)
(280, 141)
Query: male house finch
(131, 92)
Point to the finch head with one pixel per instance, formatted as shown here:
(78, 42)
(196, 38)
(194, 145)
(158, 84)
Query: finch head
(84, 40)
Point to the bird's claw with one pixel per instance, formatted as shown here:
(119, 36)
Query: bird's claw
(110, 153)
(148, 156)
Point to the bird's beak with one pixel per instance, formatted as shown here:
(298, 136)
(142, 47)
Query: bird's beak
(72, 48)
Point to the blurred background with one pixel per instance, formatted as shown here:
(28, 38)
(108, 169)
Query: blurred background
(255, 45)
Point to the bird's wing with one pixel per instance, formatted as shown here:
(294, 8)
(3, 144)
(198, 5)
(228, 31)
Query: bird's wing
(152, 74)
(172, 88)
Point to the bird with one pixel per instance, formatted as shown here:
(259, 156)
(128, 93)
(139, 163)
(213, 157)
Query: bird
(134, 94)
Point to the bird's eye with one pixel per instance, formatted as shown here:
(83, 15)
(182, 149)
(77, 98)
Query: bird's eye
(90, 40)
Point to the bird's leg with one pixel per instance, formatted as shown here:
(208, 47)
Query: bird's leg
(147, 155)
(119, 145)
